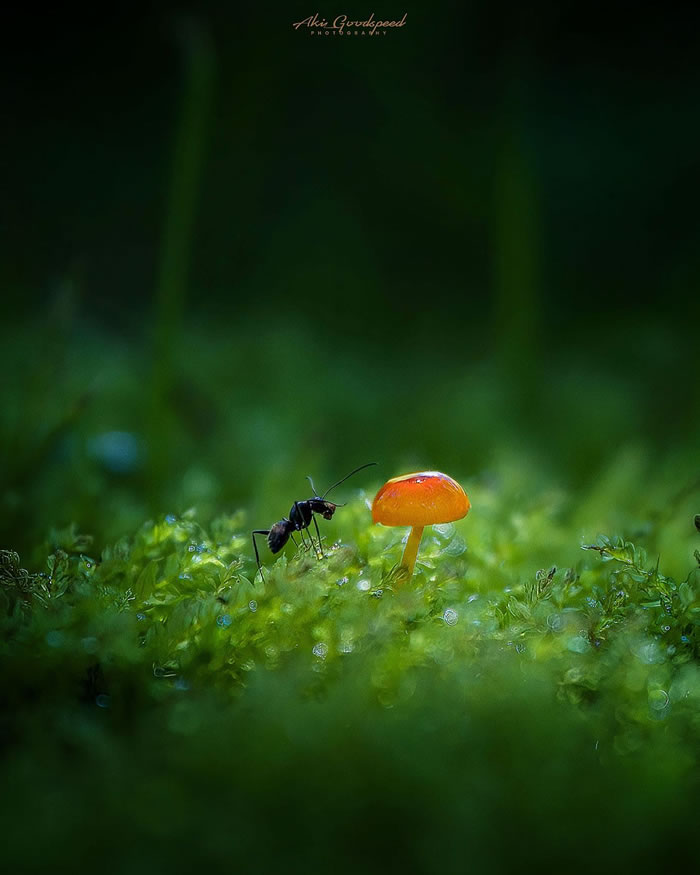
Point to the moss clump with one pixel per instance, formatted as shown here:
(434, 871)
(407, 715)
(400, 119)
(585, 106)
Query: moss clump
(153, 691)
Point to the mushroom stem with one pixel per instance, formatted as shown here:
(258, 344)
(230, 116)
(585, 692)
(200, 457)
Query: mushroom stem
(411, 550)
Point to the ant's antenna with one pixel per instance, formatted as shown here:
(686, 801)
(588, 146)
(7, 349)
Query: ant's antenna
(308, 477)
(368, 465)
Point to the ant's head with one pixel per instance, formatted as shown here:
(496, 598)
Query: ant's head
(327, 509)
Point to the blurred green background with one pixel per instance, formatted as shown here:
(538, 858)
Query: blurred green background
(234, 254)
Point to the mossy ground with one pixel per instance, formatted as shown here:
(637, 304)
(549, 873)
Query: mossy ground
(158, 706)
(529, 698)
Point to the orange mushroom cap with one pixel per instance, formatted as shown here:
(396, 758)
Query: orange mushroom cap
(421, 499)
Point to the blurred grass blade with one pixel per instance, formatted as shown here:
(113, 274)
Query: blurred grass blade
(176, 246)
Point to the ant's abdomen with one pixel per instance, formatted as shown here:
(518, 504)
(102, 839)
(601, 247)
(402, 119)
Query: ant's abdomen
(278, 536)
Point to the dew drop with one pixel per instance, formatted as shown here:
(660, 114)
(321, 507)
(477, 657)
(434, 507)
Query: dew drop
(364, 585)
(320, 650)
(224, 620)
(253, 605)
(171, 519)
(658, 699)
(450, 616)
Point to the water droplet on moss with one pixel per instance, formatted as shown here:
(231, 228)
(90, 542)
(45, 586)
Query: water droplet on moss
(253, 605)
(320, 650)
(658, 699)
(364, 585)
(450, 616)
(224, 620)
(102, 701)
(171, 519)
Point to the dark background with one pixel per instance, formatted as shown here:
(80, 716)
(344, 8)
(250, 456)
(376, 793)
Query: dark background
(342, 175)
(317, 251)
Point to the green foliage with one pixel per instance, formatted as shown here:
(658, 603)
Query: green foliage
(161, 643)
(156, 693)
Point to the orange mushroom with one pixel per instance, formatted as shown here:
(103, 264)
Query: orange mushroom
(419, 500)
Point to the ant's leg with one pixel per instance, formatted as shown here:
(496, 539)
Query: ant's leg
(299, 546)
(313, 543)
(301, 531)
(320, 543)
(257, 555)
(308, 530)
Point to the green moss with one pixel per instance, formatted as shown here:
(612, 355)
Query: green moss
(534, 689)
(470, 699)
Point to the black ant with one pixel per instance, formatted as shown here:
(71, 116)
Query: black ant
(300, 517)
